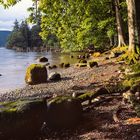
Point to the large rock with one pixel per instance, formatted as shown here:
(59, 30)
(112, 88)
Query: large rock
(54, 76)
(63, 112)
(36, 74)
(21, 119)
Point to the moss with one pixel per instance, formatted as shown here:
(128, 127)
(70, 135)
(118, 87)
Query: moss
(120, 49)
(135, 68)
(58, 99)
(86, 96)
(36, 73)
(132, 80)
(17, 106)
(21, 118)
(129, 57)
(91, 95)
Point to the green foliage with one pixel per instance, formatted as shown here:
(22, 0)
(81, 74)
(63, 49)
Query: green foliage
(77, 24)
(35, 14)
(133, 77)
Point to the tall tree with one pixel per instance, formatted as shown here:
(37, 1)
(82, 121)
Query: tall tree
(25, 31)
(121, 40)
(131, 24)
(35, 14)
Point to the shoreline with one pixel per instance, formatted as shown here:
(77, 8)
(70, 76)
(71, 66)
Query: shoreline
(73, 80)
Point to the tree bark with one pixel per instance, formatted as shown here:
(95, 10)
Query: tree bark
(137, 13)
(121, 41)
(131, 24)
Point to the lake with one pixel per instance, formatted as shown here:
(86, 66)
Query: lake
(13, 65)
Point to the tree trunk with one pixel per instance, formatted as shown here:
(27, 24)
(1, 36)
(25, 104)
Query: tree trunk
(137, 20)
(121, 41)
(131, 24)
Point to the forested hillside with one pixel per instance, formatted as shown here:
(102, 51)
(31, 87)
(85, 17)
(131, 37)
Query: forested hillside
(3, 37)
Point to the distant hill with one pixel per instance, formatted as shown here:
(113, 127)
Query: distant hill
(3, 37)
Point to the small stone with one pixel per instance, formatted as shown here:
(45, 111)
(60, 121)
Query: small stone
(54, 76)
(43, 59)
(67, 65)
(137, 94)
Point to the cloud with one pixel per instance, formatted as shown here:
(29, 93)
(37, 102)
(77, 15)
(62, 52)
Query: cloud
(6, 25)
(19, 12)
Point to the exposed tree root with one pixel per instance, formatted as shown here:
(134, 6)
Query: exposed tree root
(97, 103)
(116, 115)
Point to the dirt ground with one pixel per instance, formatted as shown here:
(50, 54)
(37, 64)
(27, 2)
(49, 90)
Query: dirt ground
(98, 123)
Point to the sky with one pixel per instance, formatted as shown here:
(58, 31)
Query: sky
(8, 16)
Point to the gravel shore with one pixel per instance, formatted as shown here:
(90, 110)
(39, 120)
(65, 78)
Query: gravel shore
(73, 80)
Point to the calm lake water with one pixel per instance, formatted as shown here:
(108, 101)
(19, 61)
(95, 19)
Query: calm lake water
(13, 65)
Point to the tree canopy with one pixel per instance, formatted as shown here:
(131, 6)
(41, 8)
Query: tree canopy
(78, 24)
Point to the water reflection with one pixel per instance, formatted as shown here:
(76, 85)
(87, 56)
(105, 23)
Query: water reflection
(13, 65)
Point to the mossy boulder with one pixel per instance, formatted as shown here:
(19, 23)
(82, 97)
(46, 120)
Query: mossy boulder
(36, 74)
(54, 76)
(96, 54)
(63, 112)
(92, 64)
(21, 119)
(43, 59)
